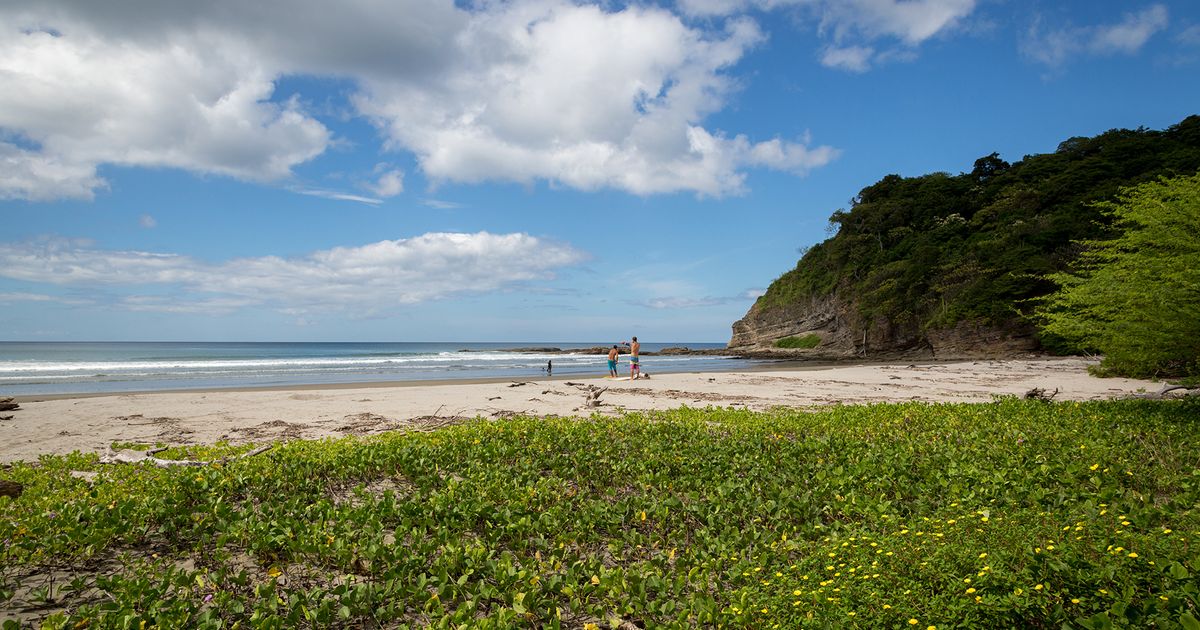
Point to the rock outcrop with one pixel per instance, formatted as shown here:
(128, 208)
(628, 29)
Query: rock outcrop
(844, 334)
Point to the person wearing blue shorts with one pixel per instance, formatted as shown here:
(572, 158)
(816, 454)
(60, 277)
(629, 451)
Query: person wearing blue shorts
(612, 362)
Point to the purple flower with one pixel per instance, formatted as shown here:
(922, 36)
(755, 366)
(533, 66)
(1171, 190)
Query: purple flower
(208, 598)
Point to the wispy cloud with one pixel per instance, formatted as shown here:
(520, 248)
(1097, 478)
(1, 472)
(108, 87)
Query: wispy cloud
(1054, 47)
(339, 196)
(858, 34)
(147, 221)
(440, 204)
(40, 297)
(372, 277)
(697, 302)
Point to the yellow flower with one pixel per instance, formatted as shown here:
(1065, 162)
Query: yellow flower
(274, 572)
(931, 628)
(1038, 587)
(590, 626)
(912, 622)
(970, 590)
(1094, 466)
(887, 607)
(595, 580)
(983, 555)
(1074, 600)
(1132, 555)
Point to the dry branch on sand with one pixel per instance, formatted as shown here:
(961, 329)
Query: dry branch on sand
(1037, 393)
(1162, 393)
(129, 456)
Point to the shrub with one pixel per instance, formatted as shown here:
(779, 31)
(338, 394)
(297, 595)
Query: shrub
(807, 341)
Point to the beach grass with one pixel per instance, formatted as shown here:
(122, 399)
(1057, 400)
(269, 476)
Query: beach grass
(992, 515)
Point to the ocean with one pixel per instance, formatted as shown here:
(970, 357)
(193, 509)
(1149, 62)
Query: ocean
(30, 368)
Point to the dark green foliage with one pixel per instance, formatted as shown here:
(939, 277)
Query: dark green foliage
(1136, 297)
(807, 341)
(937, 249)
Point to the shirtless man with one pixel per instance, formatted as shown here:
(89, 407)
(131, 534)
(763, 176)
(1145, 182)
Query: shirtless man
(612, 362)
(635, 370)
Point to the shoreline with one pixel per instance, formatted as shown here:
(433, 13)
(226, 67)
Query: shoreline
(64, 423)
(767, 364)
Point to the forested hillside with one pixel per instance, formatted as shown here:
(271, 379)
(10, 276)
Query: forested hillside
(919, 254)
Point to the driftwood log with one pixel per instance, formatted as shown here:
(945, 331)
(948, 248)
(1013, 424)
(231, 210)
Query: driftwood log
(129, 456)
(593, 396)
(10, 489)
(1162, 393)
(1038, 393)
(7, 403)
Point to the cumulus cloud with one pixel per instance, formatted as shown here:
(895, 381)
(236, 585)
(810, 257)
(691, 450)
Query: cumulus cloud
(81, 97)
(849, 26)
(523, 91)
(389, 184)
(371, 277)
(581, 97)
(1054, 47)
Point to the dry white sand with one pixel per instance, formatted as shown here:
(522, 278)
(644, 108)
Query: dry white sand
(92, 423)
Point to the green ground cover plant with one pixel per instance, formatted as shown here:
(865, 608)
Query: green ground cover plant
(810, 340)
(996, 515)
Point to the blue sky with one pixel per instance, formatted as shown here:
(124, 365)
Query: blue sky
(427, 170)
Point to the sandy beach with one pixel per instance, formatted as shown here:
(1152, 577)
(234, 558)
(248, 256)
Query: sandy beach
(91, 423)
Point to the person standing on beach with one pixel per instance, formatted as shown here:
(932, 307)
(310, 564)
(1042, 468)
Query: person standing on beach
(635, 369)
(612, 361)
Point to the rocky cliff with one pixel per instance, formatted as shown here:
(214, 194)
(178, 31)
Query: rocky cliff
(845, 335)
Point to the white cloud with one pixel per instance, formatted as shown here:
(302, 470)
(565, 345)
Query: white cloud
(1131, 33)
(523, 91)
(372, 277)
(389, 184)
(20, 296)
(441, 204)
(338, 195)
(850, 26)
(191, 100)
(1055, 47)
(851, 58)
(147, 221)
(681, 302)
(580, 97)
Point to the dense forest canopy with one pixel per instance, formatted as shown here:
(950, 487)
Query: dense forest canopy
(933, 250)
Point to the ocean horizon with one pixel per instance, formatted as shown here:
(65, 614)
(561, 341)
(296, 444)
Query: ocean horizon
(71, 367)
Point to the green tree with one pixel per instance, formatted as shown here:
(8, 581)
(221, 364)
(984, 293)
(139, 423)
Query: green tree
(1136, 298)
